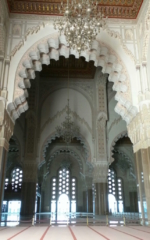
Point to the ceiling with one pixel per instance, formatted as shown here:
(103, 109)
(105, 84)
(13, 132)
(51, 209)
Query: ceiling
(125, 9)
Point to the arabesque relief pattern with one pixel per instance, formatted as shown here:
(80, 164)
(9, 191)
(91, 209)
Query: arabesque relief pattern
(116, 9)
(139, 129)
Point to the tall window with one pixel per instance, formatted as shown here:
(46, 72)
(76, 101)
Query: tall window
(6, 183)
(64, 181)
(16, 181)
(64, 189)
(112, 182)
(115, 191)
(120, 194)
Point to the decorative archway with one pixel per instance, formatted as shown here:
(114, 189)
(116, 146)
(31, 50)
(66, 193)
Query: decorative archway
(119, 136)
(53, 136)
(52, 47)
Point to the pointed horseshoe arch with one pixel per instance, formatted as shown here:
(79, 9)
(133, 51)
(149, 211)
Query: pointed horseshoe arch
(52, 47)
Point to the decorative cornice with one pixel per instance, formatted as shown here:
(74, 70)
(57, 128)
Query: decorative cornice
(125, 9)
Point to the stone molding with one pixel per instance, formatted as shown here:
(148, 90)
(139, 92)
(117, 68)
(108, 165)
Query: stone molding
(139, 128)
(49, 48)
(100, 172)
(6, 129)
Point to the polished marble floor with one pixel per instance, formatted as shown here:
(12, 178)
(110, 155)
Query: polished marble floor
(74, 233)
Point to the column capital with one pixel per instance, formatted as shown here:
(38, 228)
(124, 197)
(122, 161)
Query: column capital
(100, 172)
(139, 128)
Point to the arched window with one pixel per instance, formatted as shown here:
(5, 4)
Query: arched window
(120, 195)
(120, 189)
(6, 183)
(16, 179)
(111, 182)
(66, 186)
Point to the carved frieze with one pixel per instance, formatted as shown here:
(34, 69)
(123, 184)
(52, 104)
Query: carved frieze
(139, 128)
(111, 8)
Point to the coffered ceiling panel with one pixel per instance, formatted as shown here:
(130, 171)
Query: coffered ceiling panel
(125, 9)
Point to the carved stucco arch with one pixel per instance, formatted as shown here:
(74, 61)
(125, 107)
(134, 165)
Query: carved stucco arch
(63, 150)
(119, 136)
(53, 136)
(53, 46)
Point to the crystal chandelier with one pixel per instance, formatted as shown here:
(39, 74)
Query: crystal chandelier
(68, 130)
(81, 23)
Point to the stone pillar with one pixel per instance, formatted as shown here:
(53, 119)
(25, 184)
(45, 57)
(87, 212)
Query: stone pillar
(101, 193)
(140, 183)
(89, 194)
(139, 133)
(28, 194)
(6, 131)
(100, 162)
(101, 200)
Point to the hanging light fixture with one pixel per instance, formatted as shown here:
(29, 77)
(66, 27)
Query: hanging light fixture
(68, 129)
(81, 23)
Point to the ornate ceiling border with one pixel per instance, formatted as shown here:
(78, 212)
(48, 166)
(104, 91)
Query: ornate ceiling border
(127, 11)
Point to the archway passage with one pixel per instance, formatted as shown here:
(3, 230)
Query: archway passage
(122, 177)
(53, 47)
(42, 148)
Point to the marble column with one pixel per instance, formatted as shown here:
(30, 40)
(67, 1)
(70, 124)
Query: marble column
(101, 188)
(6, 131)
(140, 184)
(28, 193)
(3, 160)
(101, 199)
(100, 163)
(90, 200)
(142, 159)
(28, 197)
